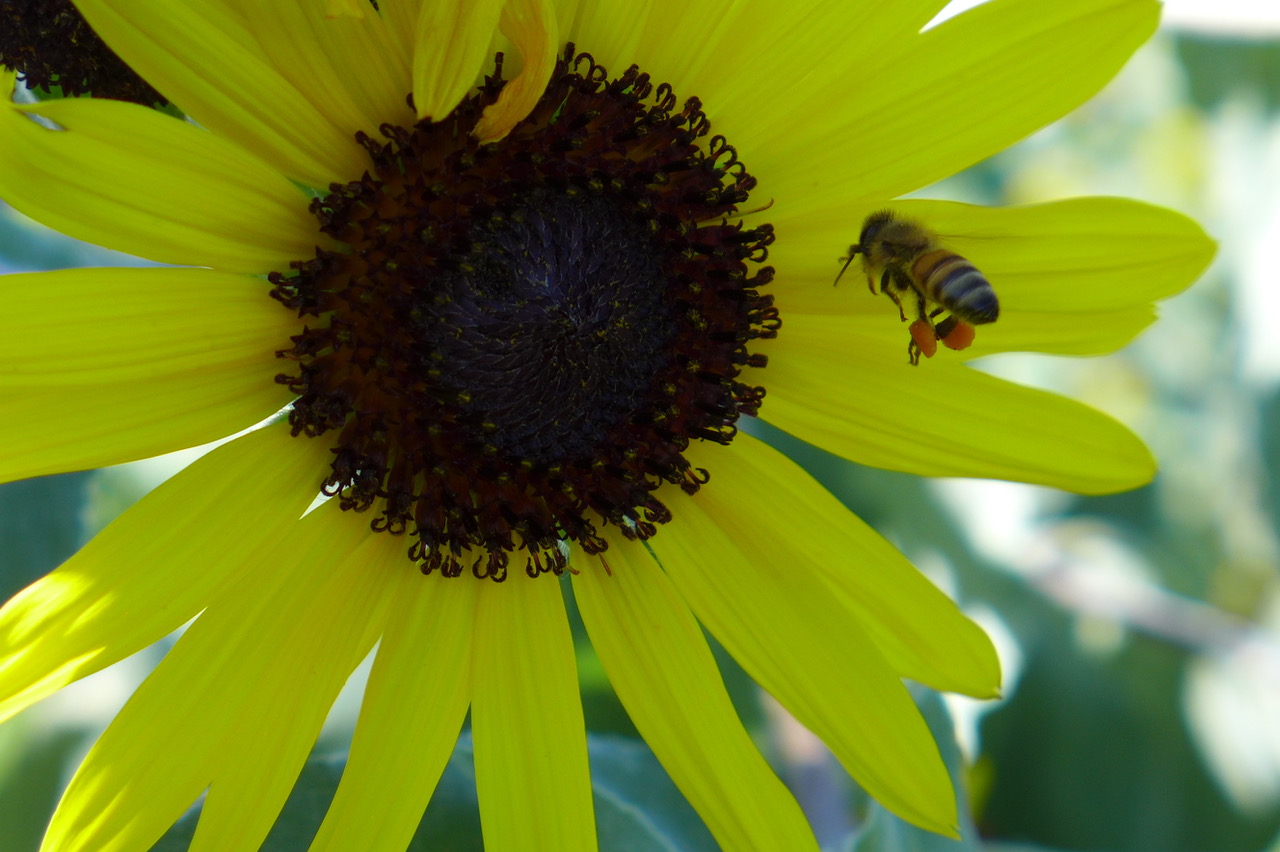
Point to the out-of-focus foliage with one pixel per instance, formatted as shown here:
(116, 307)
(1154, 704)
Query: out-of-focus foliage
(1222, 68)
(1140, 632)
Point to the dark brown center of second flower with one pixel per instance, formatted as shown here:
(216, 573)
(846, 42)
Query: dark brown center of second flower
(520, 339)
(49, 43)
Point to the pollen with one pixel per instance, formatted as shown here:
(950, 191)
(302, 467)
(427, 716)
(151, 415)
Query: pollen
(517, 341)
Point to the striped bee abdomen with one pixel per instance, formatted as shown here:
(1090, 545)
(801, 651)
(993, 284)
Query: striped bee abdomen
(957, 285)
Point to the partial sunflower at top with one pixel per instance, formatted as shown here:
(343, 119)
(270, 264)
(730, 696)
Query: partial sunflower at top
(48, 44)
(526, 312)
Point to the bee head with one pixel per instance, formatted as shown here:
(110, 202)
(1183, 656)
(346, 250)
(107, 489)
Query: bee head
(872, 226)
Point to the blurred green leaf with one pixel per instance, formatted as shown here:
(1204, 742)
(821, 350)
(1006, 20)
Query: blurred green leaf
(31, 779)
(1091, 750)
(638, 808)
(1269, 447)
(40, 526)
(1221, 67)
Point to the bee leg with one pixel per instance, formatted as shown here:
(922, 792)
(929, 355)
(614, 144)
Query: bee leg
(913, 354)
(897, 300)
(922, 312)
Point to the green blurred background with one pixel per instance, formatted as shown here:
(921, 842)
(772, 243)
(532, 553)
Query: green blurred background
(1140, 632)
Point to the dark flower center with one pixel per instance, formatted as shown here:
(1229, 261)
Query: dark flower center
(521, 338)
(49, 44)
(555, 329)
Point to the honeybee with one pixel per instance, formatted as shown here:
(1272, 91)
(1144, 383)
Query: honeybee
(922, 276)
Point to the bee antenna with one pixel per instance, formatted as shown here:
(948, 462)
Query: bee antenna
(853, 252)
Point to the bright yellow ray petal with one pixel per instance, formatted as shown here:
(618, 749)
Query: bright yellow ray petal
(144, 399)
(531, 26)
(566, 16)
(153, 569)
(311, 653)
(781, 622)
(908, 115)
(736, 57)
(287, 627)
(526, 719)
(664, 37)
(869, 405)
(67, 327)
(1078, 256)
(141, 182)
(116, 423)
(205, 57)
(1059, 332)
(402, 23)
(346, 9)
(918, 629)
(612, 33)
(658, 661)
(347, 64)
(413, 708)
(451, 47)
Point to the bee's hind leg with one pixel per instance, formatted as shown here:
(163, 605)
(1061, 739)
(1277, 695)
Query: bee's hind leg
(924, 336)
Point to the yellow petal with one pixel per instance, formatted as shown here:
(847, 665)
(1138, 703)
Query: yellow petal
(308, 655)
(346, 9)
(658, 662)
(910, 113)
(129, 422)
(346, 63)
(402, 17)
(413, 708)
(66, 327)
(737, 57)
(867, 404)
(135, 180)
(271, 652)
(531, 26)
(526, 719)
(1059, 332)
(781, 622)
(204, 56)
(153, 396)
(664, 37)
(154, 568)
(613, 33)
(1077, 256)
(451, 48)
(919, 630)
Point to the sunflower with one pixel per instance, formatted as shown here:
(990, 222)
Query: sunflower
(482, 290)
(49, 44)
